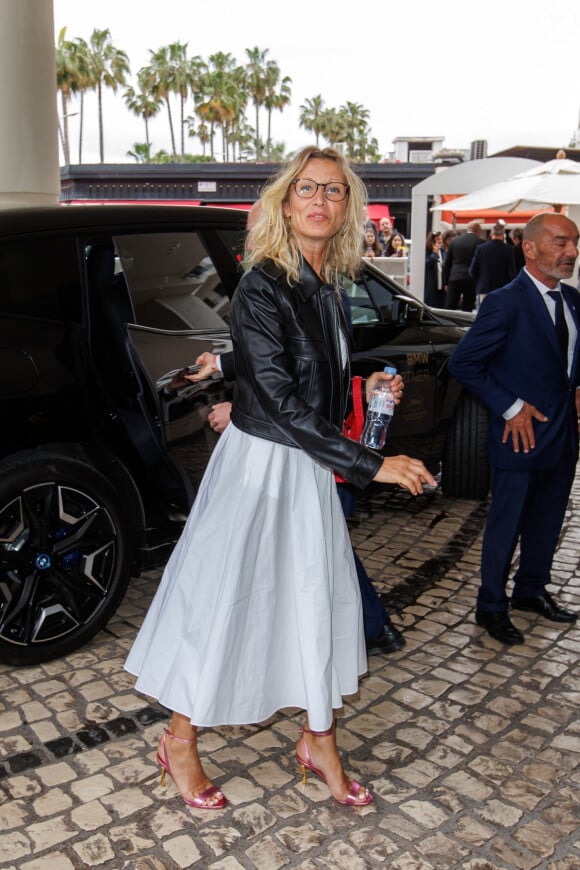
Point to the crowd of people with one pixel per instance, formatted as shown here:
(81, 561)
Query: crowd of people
(462, 268)
(272, 617)
(384, 242)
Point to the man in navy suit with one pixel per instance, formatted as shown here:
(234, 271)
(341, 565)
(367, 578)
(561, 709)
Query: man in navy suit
(521, 358)
(493, 264)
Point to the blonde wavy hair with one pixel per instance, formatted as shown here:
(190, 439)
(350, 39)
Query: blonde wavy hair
(271, 235)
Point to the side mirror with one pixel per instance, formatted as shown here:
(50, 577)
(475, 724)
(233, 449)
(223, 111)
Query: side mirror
(406, 310)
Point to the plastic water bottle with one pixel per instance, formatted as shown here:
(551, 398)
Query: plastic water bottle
(379, 413)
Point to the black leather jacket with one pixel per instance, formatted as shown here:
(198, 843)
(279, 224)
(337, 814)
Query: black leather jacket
(291, 386)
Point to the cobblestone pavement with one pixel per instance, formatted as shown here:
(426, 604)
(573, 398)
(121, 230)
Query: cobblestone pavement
(471, 749)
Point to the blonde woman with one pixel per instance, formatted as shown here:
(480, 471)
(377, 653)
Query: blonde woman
(259, 608)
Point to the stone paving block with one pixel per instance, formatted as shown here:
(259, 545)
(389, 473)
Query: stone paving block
(90, 816)
(468, 786)
(56, 774)
(229, 863)
(22, 787)
(537, 838)
(411, 861)
(508, 855)
(241, 791)
(9, 720)
(93, 787)
(50, 832)
(55, 800)
(14, 845)
(563, 815)
(94, 851)
(442, 850)
(499, 813)
(165, 821)
(411, 698)
(415, 737)
(419, 773)
(52, 861)
(125, 802)
(268, 854)
(131, 839)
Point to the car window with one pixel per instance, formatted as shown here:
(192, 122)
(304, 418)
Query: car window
(361, 305)
(172, 280)
(40, 278)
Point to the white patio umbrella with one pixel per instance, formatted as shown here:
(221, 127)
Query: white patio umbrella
(552, 185)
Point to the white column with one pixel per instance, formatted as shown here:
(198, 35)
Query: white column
(29, 170)
(418, 235)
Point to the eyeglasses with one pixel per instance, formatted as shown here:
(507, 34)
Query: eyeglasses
(335, 191)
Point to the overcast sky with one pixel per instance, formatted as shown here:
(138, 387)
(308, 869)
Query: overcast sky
(508, 73)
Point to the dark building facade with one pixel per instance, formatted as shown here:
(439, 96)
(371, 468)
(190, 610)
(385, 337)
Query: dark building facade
(389, 185)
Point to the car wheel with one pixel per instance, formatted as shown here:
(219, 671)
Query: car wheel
(65, 555)
(465, 468)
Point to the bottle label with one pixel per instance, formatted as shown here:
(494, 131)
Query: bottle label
(382, 403)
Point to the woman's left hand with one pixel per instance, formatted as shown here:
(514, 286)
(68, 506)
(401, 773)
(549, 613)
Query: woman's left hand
(396, 382)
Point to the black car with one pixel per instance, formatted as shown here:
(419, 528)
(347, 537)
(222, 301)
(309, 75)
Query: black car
(99, 462)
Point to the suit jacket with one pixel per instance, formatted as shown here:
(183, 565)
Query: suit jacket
(459, 256)
(511, 352)
(492, 266)
(519, 258)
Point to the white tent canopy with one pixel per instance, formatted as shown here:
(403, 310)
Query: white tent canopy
(461, 179)
(556, 182)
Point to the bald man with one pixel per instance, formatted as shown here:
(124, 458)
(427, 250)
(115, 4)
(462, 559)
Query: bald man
(521, 359)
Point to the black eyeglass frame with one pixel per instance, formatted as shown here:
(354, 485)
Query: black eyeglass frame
(317, 184)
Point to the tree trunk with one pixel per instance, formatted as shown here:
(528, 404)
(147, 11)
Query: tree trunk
(81, 126)
(64, 131)
(173, 151)
(101, 139)
(257, 132)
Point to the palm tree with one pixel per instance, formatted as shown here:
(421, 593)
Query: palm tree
(332, 126)
(181, 74)
(141, 152)
(142, 103)
(256, 84)
(222, 97)
(108, 67)
(84, 81)
(312, 116)
(66, 84)
(355, 119)
(159, 74)
(276, 98)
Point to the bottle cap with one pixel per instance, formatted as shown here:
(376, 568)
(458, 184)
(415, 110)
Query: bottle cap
(390, 370)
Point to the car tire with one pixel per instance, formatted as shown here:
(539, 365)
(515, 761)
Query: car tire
(465, 467)
(65, 555)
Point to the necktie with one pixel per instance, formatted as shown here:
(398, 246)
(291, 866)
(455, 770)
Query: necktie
(561, 327)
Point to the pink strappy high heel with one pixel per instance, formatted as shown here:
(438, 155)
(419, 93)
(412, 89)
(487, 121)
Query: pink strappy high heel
(210, 799)
(358, 795)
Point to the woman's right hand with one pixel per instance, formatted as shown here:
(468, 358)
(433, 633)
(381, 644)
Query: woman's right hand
(406, 472)
(207, 361)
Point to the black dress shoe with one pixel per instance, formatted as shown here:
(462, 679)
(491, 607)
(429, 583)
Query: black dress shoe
(546, 606)
(390, 640)
(499, 626)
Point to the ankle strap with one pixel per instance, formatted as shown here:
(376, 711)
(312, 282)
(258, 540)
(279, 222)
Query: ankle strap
(181, 739)
(326, 733)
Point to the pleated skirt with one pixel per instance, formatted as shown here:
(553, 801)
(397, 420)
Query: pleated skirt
(258, 608)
